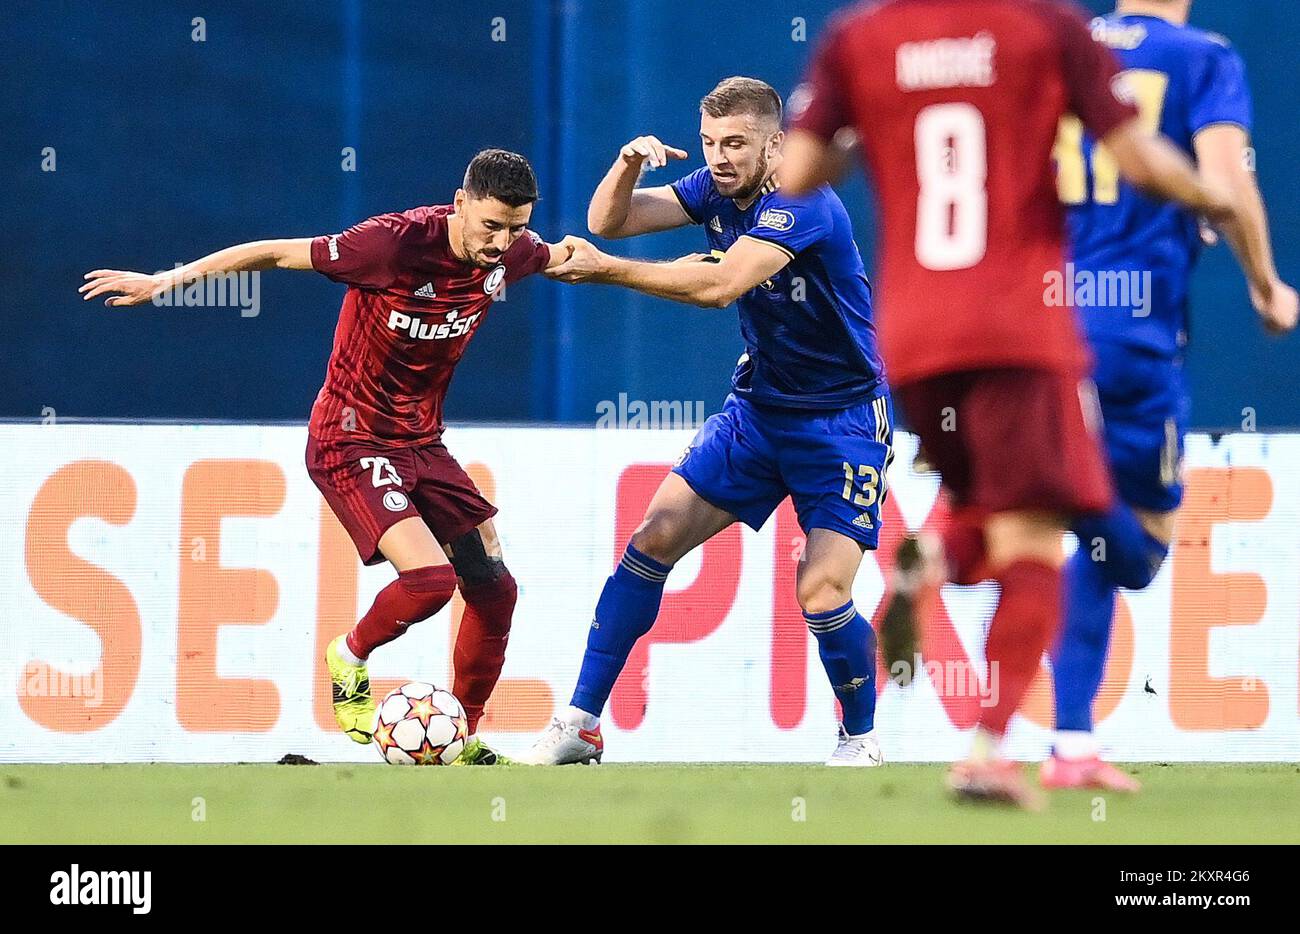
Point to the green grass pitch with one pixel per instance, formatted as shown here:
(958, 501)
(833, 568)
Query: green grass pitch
(620, 804)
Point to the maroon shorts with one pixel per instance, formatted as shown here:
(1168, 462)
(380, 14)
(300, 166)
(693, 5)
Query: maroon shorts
(1012, 439)
(371, 488)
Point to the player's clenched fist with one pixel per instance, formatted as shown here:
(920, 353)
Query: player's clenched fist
(1279, 309)
(132, 288)
(650, 149)
(584, 262)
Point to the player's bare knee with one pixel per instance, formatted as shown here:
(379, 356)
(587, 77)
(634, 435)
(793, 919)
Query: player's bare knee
(1024, 536)
(1159, 525)
(659, 537)
(821, 592)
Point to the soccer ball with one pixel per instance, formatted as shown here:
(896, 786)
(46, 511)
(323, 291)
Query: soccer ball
(419, 724)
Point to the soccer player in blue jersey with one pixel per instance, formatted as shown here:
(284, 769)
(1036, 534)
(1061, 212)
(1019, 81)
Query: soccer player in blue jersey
(1191, 85)
(808, 417)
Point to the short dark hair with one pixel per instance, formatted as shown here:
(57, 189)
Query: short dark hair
(740, 95)
(500, 174)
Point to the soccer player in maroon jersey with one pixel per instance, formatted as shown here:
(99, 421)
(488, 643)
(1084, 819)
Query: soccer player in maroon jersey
(956, 105)
(420, 283)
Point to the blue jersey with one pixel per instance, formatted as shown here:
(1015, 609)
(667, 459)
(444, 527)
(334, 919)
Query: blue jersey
(1184, 80)
(809, 338)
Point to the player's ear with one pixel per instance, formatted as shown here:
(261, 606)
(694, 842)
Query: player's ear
(775, 142)
(458, 202)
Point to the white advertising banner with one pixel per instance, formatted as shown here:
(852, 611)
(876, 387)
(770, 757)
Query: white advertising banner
(167, 592)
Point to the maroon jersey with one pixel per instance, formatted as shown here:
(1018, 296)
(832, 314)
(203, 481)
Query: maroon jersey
(956, 104)
(409, 313)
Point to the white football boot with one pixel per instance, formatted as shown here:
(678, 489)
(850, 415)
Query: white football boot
(861, 751)
(565, 743)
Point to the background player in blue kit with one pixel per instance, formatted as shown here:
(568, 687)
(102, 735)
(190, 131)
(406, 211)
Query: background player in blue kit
(808, 416)
(1191, 86)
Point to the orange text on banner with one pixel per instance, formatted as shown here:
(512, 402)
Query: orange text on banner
(89, 489)
(1204, 600)
(212, 596)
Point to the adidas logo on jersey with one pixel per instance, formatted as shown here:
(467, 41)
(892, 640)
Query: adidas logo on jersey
(715, 225)
(864, 521)
(426, 291)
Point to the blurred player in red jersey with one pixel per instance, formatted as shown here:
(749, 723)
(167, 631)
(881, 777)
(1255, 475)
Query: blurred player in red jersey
(420, 282)
(956, 105)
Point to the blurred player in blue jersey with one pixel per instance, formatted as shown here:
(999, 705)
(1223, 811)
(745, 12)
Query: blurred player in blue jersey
(1191, 86)
(809, 413)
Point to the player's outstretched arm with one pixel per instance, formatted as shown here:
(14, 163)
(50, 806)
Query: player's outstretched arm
(619, 209)
(748, 263)
(136, 288)
(1223, 155)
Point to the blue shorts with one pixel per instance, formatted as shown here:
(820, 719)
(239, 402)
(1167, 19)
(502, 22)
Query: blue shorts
(833, 464)
(1145, 407)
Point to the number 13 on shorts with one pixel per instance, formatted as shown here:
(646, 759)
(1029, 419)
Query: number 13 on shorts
(862, 487)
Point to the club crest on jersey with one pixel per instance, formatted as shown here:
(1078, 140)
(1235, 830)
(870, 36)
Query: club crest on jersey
(454, 326)
(494, 279)
(1126, 36)
(775, 219)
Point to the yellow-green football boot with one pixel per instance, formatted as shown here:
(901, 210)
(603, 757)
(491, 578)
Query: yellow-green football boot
(477, 752)
(354, 708)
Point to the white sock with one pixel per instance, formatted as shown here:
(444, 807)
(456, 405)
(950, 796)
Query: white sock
(1075, 744)
(345, 653)
(581, 719)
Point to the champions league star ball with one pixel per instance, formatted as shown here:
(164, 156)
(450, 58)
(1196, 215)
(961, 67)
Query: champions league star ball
(419, 724)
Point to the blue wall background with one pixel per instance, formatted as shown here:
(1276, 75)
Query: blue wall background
(168, 148)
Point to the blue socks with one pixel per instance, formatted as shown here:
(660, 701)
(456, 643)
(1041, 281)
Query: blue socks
(1079, 661)
(625, 612)
(630, 602)
(847, 645)
(1114, 551)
